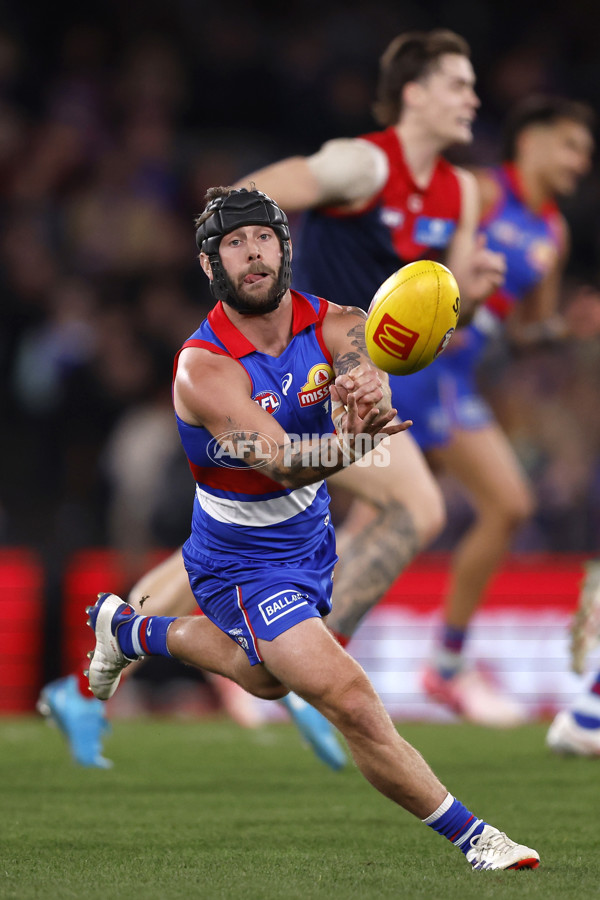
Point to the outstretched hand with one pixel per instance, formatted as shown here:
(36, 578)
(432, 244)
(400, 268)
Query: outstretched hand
(365, 383)
(351, 420)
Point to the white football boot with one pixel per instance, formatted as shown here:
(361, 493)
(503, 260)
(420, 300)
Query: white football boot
(492, 849)
(107, 660)
(566, 737)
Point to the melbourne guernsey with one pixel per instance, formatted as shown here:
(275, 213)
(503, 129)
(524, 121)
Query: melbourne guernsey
(345, 256)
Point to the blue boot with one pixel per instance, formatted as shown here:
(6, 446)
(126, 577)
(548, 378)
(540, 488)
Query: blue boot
(82, 721)
(316, 730)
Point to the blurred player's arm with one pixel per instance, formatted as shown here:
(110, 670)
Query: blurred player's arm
(536, 319)
(478, 271)
(345, 172)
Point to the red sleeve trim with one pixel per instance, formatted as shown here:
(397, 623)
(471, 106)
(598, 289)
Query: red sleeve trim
(323, 307)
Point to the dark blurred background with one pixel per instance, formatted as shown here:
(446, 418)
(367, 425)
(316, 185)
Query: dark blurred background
(114, 120)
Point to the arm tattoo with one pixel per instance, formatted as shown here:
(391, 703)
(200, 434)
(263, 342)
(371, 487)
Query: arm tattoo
(344, 362)
(294, 463)
(358, 337)
(245, 444)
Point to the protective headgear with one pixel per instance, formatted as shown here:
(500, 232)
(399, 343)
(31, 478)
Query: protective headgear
(233, 211)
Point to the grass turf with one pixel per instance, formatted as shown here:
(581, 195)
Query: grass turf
(207, 810)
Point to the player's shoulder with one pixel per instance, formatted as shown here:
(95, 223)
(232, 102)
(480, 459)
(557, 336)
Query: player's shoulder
(479, 191)
(203, 359)
(349, 171)
(489, 186)
(339, 320)
(560, 229)
(337, 312)
(455, 181)
(465, 177)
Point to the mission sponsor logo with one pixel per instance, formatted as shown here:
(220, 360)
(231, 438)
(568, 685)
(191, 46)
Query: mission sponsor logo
(317, 384)
(280, 604)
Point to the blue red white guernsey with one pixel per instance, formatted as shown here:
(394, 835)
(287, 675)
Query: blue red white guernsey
(530, 240)
(446, 394)
(345, 256)
(260, 557)
(239, 511)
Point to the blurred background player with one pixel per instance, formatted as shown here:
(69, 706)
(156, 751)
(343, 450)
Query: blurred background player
(576, 730)
(373, 204)
(547, 150)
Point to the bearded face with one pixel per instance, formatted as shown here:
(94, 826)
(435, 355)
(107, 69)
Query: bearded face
(257, 291)
(245, 273)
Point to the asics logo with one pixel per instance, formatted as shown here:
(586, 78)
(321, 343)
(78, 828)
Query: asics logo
(286, 382)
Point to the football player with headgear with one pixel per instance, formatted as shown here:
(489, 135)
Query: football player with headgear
(261, 553)
(373, 203)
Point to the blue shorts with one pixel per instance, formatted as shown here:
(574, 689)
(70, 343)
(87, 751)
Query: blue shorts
(439, 399)
(251, 601)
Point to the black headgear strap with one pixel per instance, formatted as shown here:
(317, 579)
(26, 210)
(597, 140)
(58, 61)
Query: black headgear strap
(233, 211)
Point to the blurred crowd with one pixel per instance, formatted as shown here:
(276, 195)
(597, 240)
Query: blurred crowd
(112, 126)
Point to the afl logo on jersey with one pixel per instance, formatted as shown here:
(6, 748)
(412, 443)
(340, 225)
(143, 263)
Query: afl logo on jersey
(269, 400)
(317, 384)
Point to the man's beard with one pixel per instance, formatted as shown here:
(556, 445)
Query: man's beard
(248, 305)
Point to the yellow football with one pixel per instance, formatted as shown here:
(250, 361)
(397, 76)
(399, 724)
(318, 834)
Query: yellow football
(412, 317)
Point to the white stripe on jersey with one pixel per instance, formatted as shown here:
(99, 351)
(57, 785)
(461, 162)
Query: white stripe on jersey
(258, 513)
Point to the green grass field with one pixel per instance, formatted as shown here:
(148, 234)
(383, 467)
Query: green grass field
(207, 810)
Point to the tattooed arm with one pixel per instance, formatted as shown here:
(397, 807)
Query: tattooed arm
(214, 392)
(344, 334)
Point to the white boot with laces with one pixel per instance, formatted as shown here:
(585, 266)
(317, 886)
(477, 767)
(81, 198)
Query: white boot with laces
(492, 849)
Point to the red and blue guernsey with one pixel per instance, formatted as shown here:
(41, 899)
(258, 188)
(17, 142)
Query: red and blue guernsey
(531, 241)
(239, 512)
(346, 255)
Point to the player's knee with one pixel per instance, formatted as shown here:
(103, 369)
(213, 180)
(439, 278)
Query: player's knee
(266, 692)
(353, 707)
(517, 508)
(260, 683)
(428, 512)
(431, 517)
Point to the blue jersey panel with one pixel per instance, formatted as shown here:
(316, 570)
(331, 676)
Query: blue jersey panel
(238, 511)
(529, 240)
